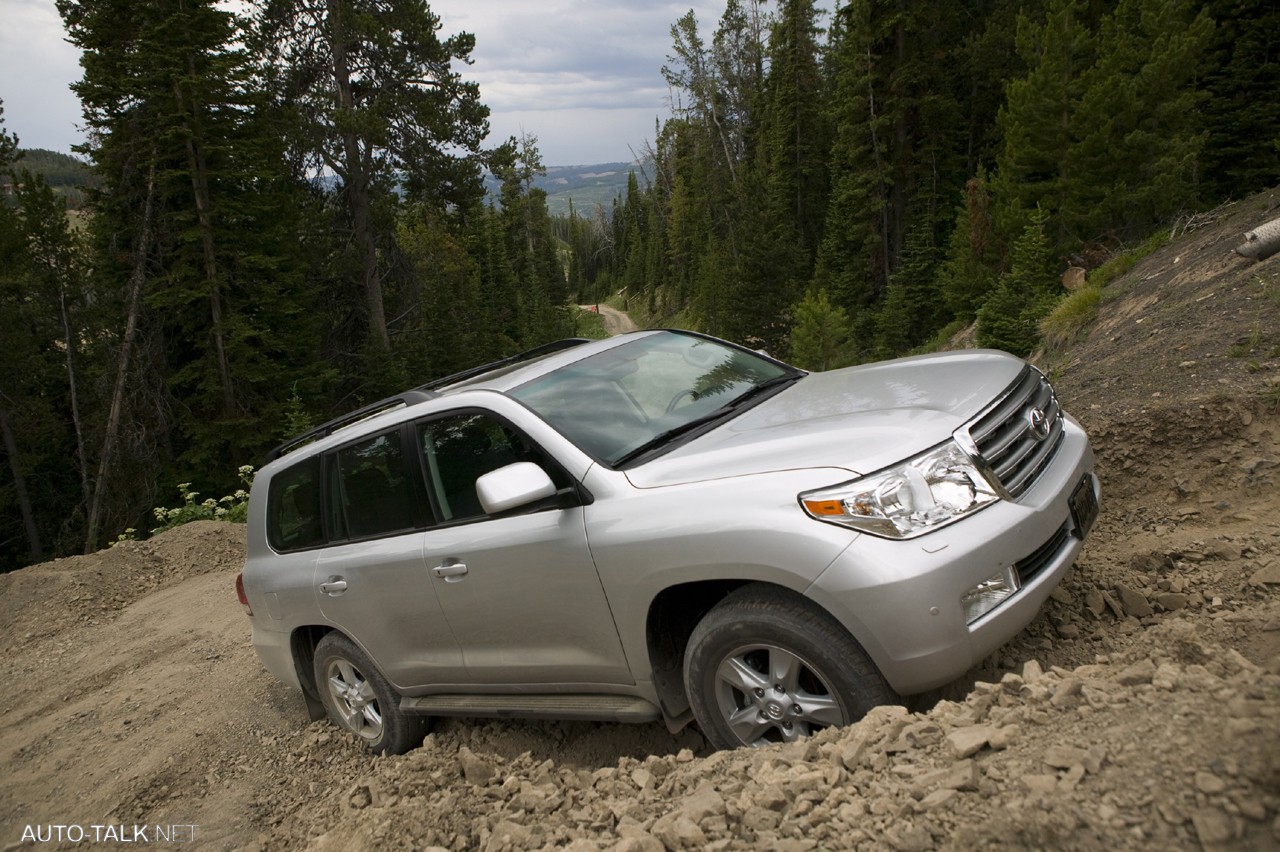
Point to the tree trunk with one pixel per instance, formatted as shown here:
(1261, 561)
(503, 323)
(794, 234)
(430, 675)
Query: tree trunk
(111, 435)
(899, 157)
(885, 249)
(1262, 242)
(20, 488)
(82, 461)
(357, 184)
(200, 191)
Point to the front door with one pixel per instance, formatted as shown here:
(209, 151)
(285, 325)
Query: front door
(520, 591)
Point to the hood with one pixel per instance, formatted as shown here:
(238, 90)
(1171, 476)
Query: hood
(859, 419)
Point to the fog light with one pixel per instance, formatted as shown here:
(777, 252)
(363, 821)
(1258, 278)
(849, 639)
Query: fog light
(989, 594)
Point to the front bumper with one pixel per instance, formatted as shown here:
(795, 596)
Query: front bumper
(901, 599)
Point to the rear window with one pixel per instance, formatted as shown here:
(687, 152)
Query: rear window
(293, 507)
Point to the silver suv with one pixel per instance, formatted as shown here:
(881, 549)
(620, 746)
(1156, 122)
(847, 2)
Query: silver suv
(663, 525)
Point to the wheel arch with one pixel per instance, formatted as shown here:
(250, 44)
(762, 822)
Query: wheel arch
(673, 614)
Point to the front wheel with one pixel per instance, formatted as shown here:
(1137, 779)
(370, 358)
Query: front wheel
(358, 698)
(766, 666)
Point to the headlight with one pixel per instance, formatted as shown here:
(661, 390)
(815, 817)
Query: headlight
(929, 491)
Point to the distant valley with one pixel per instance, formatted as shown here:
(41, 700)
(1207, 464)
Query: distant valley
(586, 185)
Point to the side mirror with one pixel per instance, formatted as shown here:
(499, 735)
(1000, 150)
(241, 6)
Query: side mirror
(513, 486)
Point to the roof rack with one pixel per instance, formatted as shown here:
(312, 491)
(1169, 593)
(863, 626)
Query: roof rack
(421, 393)
(528, 355)
(409, 397)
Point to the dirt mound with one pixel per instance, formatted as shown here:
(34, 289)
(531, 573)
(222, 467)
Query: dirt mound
(44, 599)
(1140, 710)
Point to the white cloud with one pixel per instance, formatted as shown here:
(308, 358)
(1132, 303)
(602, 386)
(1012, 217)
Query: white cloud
(36, 68)
(584, 76)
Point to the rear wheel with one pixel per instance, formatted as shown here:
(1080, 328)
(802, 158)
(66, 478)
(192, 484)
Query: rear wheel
(766, 665)
(358, 698)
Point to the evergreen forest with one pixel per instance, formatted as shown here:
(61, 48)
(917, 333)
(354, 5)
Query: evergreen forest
(284, 214)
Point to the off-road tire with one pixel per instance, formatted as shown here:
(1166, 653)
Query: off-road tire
(767, 665)
(359, 700)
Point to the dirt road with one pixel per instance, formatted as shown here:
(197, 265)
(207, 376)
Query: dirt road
(615, 321)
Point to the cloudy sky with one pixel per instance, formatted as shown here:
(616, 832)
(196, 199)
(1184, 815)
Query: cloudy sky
(583, 76)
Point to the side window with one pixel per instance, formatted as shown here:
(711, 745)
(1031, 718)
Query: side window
(293, 507)
(460, 449)
(375, 496)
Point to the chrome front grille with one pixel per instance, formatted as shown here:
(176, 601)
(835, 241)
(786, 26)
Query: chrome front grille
(1017, 437)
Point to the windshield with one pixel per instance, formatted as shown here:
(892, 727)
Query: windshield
(629, 397)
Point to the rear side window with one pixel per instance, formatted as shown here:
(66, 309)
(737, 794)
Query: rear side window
(375, 496)
(293, 507)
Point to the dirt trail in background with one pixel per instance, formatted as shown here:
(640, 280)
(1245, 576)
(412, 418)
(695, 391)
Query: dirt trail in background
(1141, 710)
(615, 321)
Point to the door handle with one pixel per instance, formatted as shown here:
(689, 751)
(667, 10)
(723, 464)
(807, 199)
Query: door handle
(451, 571)
(334, 586)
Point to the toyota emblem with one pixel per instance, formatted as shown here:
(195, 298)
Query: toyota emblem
(1038, 424)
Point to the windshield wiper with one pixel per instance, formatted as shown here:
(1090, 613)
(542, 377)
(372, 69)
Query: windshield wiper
(670, 435)
(759, 389)
(731, 407)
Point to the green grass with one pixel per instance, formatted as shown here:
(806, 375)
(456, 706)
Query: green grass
(1269, 287)
(1271, 399)
(1079, 309)
(1117, 266)
(590, 325)
(1073, 313)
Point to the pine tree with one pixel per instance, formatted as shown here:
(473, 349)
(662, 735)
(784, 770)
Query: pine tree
(1009, 318)
(973, 255)
(1138, 123)
(856, 254)
(451, 298)
(820, 337)
(49, 330)
(194, 244)
(795, 135)
(18, 521)
(900, 144)
(1036, 165)
(540, 286)
(1242, 113)
(377, 104)
(912, 310)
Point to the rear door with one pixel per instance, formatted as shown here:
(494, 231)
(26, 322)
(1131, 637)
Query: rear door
(372, 581)
(520, 591)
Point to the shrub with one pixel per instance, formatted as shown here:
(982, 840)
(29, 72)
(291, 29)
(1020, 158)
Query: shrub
(233, 508)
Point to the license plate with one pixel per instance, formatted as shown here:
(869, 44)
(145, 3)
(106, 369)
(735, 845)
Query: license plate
(1084, 506)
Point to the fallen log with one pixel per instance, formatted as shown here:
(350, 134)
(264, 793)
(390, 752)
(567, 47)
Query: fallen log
(1262, 242)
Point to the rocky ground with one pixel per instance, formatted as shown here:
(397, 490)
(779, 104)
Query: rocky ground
(1141, 710)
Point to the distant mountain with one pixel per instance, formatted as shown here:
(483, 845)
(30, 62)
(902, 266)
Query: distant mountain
(586, 185)
(67, 175)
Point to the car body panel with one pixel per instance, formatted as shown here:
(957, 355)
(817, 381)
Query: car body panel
(877, 585)
(556, 597)
(390, 608)
(861, 419)
(529, 607)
